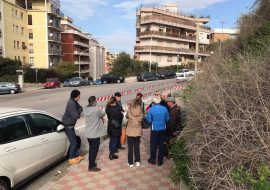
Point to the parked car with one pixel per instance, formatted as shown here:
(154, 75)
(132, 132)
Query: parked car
(146, 76)
(167, 75)
(96, 82)
(112, 78)
(186, 71)
(9, 87)
(52, 83)
(66, 83)
(30, 141)
(182, 77)
(78, 81)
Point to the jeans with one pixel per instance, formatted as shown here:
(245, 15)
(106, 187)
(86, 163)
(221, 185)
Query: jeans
(133, 147)
(113, 144)
(157, 138)
(93, 151)
(73, 151)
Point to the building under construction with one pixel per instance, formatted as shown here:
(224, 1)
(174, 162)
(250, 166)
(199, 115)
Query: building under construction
(166, 37)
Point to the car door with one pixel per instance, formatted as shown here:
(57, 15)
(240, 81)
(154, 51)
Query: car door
(20, 153)
(3, 88)
(53, 143)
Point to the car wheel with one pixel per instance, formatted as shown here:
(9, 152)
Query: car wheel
(12, 91)
(104, 82)
(4, 185)
(144, 80)
(118, 81)
(156, 78)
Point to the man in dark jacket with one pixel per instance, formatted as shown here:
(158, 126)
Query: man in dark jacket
(72, 114)
(164, 96)
(174, 123)
(117, 95)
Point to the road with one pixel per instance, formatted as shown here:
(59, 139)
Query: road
(54, 101)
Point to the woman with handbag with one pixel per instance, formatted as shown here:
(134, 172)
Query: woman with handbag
(114, 128)
(134, 131)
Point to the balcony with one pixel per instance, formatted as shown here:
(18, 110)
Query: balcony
(179, 37)
(81, 44)
(1, 49)
(82, 63)
(55, 11)
(76, 52)
(168, 50)
(55, 52)
(54, 26)
(172, 22)
(54, 39)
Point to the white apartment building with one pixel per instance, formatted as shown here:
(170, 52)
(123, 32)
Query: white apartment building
(166, 37)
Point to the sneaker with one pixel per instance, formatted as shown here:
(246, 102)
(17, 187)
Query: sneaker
(80, 158)
(112, 157)
(73, 161)
(130, 165)
(95, 169)
(138, 164)
(121, 148)
(160, 163)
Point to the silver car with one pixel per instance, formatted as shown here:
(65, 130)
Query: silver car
(30, 141)
(9, 87)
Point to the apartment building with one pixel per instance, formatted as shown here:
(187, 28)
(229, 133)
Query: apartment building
(110, 57)
(223, 34)
(166, 37)
(98, 59)
(75, 46)
(44, 30)
(13, 31)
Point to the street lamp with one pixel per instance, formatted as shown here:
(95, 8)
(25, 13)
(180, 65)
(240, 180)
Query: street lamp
(150, 54)
(178, 56)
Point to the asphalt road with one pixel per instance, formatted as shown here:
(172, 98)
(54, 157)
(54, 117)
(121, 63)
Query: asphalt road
(54, 101)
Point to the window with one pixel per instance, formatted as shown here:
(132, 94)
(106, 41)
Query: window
(23, 45)
(17, 29)
(24, 59)
(30, 22)
(31, 61)
(16, 13)
(15, 58)
(13, 129)
(30, 35)
(169, 59)
(31, 48)
(14, 44)
(13, 30)
(19, 58)
(29, 5)
(208, 36)
(21, 15)
(22, 30)
(42, 124)
(18, 45)
(12, 12)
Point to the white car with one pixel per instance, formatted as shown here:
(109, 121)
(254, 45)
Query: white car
(30, 141)
(186, 71)
(183, 77)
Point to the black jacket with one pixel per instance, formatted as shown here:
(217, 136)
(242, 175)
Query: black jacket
(72, 113)
(174, 123)
(114, 114)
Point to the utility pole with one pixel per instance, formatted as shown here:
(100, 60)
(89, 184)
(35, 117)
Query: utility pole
(197, 46)
(150, 54)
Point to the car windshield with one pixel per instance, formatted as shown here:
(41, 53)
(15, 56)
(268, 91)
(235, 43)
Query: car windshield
(76, 78)
(51, 80)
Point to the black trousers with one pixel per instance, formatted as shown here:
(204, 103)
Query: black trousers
(157, 138)
(133, 148)
(93, 150)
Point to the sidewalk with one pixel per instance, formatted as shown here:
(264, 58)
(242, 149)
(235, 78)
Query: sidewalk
(116, 175)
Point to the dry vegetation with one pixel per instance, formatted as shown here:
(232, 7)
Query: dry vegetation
(229, 108)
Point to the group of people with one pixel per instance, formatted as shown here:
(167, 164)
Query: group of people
(163, 114)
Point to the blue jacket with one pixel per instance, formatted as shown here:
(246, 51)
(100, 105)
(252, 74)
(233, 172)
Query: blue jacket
(158, 115)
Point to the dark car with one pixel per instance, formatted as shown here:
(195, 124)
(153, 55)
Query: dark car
(66, 83)
(78, 81)
(95, 82)
(167, 74)
(146, 76)
(111, 78)
(52, 83)
(9, 87)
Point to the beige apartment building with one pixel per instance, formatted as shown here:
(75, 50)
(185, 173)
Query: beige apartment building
(166, 37)
(13, 31)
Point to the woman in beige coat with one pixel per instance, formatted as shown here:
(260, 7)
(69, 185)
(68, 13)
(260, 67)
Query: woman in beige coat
(134, 131)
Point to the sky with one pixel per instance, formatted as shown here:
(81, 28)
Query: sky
(112, 22)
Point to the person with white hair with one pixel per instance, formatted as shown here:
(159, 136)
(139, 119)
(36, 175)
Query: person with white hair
(158, 116)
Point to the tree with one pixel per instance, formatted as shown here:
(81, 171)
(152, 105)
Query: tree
(8, 66)
(122, 64)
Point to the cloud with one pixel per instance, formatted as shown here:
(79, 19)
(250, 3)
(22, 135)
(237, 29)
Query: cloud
(129, 7)
(81, 9)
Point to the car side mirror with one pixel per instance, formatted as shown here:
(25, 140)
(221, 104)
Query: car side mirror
(60, 128)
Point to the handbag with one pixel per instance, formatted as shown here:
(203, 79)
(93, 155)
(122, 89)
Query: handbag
(115, 123)
(145, 124)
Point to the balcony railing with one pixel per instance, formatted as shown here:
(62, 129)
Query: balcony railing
(76, 52)
(55, 26)
(1, 49)
(82, 62)
(172, 21)
(54, 38)
(161, 49)
(81, 44)
(55, 52)
(170, 35)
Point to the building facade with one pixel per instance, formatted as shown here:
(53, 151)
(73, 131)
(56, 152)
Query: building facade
(75, 46)
(165, 37)
(13, 31)
(110, 57)
(44, 30)
(223, 34)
